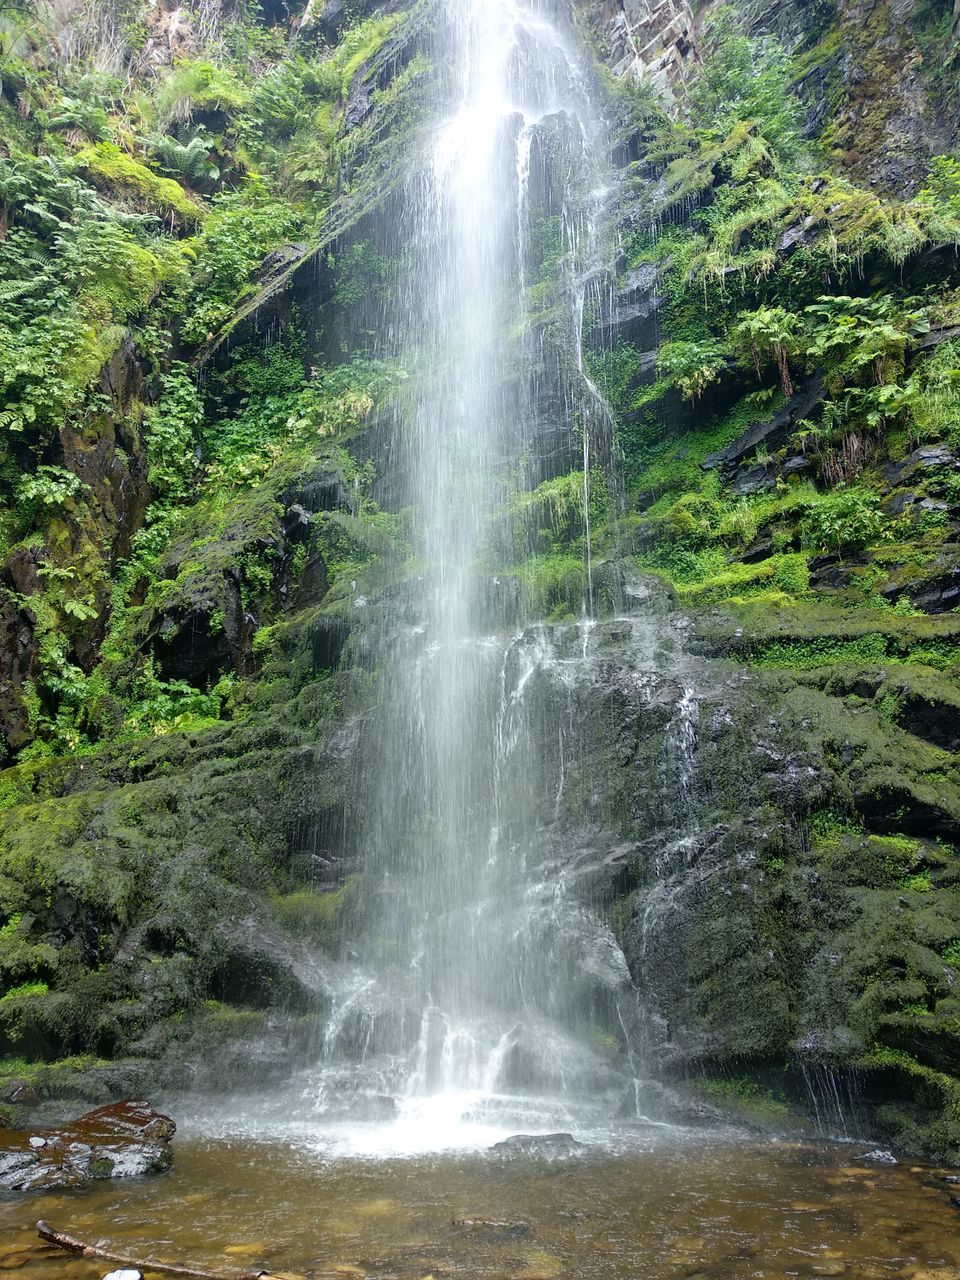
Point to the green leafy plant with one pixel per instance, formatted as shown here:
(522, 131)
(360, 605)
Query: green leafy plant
(847, 520)
(769, 334)
(691, 366)
(173, 434)
(50, 486)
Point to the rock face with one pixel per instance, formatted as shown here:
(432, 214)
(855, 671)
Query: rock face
(649, 40)
(867, 75)
(124, 1140)
(87, 538)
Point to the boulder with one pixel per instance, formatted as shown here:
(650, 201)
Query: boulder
(123, 1140)
(929, 458)
(549, 1146)
(19, 1093)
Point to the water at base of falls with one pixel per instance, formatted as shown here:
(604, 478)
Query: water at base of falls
(445, 1123)
(708, 1208)
(556, 1049)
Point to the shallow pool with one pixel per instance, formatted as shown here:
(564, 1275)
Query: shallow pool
(677, 1203)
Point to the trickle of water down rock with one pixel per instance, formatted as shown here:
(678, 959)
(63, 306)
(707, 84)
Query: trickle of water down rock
(482, 989)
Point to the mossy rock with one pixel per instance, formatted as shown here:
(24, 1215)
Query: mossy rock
(128, 181)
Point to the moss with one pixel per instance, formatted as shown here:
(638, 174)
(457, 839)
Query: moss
(821, 56)
(64, 1078)
(195, 87)
(552, 586)
(317, 915)
(744, 1096)
(360, 45)
(809, 654)
(132, 182)
(674, 463)
(813, 633)
(152, 851)
(218, 1024)
(919, 1105)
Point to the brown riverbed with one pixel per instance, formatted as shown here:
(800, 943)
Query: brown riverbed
(708, 1207)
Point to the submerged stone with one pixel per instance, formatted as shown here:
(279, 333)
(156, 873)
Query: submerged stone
(546, 1145)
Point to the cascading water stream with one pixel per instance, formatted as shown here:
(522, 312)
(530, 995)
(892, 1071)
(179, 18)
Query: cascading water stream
(477, 948)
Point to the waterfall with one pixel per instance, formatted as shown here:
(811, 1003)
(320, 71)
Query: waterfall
(493, 979)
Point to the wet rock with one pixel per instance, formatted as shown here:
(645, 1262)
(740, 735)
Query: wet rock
(938, 595)
(890, 803)
(760, 550)
(280, 259)
(929, 458)
(929, 708)
(771, 432)
(18, 656)
(495, 1230)
(13, 1164)
(637, 297)
(23, 566)
(795, 466)
(935, 588)
(879, 1156)
(801, 233)
(296, 521)
(830, 573)
(653, 42)
(550, 1146)
(900, 502)
(125, 1274)
(125, 1139)
(18, 1093)
(759, 478)
(335, 15)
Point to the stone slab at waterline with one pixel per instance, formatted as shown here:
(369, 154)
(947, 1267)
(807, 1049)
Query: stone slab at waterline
(124, 1140)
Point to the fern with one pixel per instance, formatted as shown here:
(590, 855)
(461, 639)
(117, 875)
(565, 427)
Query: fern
(10, 290)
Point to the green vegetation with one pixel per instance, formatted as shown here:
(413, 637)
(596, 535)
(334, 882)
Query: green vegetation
(789, 466)
(777, 274)
(318, 916)
(746, 1096)
(137, 209)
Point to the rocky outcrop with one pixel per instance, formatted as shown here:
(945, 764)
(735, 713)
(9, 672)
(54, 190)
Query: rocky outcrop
(771, 432)
(18, 654)
(648, 40)
(123, 1140)
(377, 128)
(867, 73)
(198, 622)
(546, 1146)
